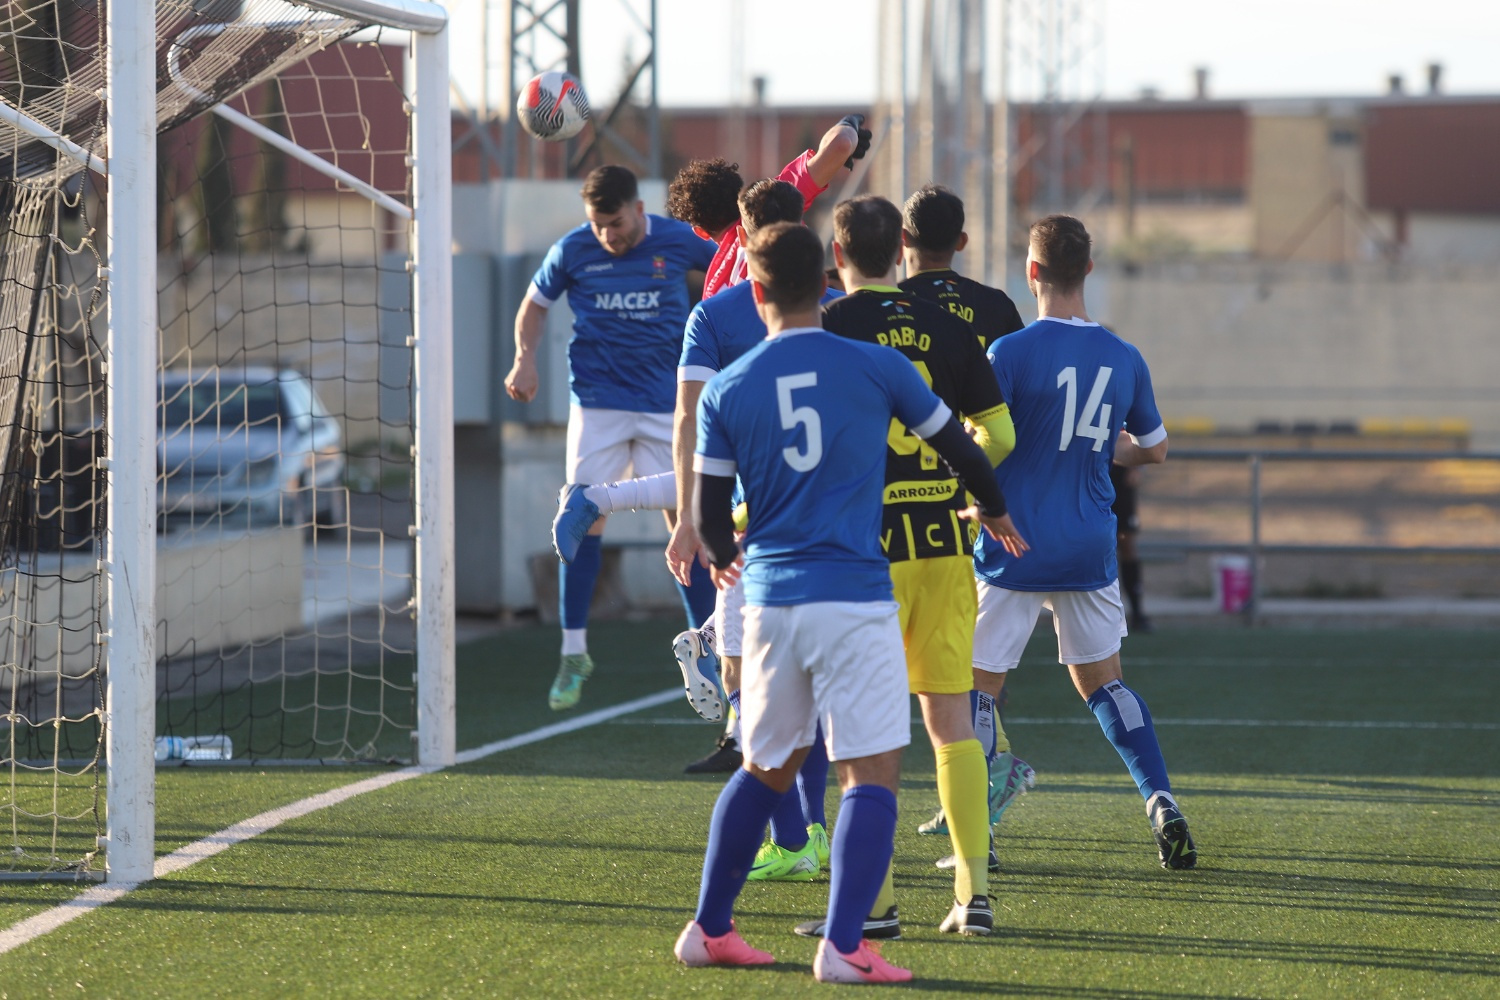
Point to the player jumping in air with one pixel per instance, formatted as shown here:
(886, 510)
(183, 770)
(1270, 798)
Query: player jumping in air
(802, 419)
(702, 194)
(932, 232)
(625, 274)
(1082, 398)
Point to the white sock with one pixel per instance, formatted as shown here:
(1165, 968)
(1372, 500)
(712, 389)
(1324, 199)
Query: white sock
(575, 641)
(658, 492)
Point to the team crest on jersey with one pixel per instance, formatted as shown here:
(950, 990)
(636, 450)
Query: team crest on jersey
(659, 268)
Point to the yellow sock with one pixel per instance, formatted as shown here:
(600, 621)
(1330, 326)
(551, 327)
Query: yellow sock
(887, 897)
(1002, 742)
(963, 785)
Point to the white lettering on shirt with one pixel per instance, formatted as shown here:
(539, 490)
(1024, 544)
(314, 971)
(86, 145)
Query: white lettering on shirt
(627, 300)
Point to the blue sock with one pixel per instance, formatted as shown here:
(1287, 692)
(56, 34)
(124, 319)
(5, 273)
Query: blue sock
(788, 831)
(697, 600)
(1127, 725)
(734, 699)
(575, 583)
(983, 707)
(733, 838)
(862, 847)
(812, 782)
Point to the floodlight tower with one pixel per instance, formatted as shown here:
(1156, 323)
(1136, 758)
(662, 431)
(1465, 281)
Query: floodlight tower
(1055, 56)
(542, 35)
(939, 72)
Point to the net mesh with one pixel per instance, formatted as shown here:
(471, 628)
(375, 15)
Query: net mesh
(284, 436)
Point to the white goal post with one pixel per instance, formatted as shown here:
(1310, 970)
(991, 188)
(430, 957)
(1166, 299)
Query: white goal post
(129, 635)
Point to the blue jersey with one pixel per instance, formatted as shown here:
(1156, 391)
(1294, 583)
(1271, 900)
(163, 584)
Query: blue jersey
(1072, 386)
(628, 312)
(721, 329)
(803, 418)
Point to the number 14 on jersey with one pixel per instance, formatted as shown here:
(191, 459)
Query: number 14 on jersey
(1093, 422)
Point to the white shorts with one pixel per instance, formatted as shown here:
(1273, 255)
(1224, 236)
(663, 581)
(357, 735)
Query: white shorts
(1089, 624)
(609, 445)
(835, 662)
(729, 619)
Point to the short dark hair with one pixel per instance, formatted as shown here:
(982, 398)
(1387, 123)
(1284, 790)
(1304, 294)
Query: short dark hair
(933, 219)
(1061, 247)
(768, 201)
(703, 194)
(610, 188)
(869, 230)
(786, 258)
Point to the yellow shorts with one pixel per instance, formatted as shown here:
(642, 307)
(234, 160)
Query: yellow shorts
(938, 606)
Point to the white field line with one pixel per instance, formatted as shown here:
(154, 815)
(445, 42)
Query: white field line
(1253, 723)
(92, 898)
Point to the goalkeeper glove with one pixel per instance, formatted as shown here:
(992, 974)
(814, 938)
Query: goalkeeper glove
(863, 135)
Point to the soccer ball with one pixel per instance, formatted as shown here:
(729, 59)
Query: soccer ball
(553, 106)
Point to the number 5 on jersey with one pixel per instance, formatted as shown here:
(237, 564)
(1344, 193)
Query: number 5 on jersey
(806, 416)
(1094, 421)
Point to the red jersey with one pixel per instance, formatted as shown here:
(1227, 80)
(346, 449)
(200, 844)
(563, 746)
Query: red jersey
(728, 267)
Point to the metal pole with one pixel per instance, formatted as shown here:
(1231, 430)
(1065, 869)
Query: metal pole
(905, 136)
(653, 155)
(509, 137)
(1252, 608)
(999, 222)
(130, 459)
(432, 402)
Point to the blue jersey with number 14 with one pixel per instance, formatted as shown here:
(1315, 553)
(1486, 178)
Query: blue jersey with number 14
(803, 419)
(1071, 386)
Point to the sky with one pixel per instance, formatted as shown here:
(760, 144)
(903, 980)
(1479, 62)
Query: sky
(1252, 48)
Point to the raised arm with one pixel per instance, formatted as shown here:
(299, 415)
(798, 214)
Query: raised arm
(841, 146)
(531, 321)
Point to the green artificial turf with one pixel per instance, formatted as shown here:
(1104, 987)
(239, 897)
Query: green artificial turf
(1354, 860)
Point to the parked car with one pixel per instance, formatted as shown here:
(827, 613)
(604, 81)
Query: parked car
(251, 446)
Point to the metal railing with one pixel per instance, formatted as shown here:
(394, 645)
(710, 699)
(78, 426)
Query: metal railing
(1257, 548)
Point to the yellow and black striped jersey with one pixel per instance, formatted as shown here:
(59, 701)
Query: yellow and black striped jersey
(988, 310)
(922, 496)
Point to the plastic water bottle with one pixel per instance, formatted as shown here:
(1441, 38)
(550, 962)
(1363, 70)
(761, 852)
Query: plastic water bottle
(194, 748)
(208, 748)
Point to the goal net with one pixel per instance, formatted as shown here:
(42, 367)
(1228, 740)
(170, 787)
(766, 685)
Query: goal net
(284, 411)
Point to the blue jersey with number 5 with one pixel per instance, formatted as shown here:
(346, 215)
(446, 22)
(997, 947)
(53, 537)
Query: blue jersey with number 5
(803, 418)
(1072, 386)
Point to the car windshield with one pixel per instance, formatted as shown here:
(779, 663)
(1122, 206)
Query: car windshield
(225, 405)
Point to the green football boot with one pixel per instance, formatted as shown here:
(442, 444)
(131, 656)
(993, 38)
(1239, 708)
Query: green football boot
(1010, 777)
(817, 835)
(777, 864)
(567, 688)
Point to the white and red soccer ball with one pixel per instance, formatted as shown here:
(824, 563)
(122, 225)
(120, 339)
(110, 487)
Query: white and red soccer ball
(553, 107)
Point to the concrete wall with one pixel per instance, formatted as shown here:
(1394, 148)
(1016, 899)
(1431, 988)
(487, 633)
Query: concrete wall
(1239, 343)
(1471, 239)
(212, 593)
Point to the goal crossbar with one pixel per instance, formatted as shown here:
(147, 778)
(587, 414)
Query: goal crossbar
(411, 15)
